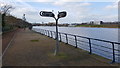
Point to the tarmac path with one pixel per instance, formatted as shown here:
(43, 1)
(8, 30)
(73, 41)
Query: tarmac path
(32, 49)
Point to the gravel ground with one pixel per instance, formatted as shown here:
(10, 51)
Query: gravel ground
(32, 49)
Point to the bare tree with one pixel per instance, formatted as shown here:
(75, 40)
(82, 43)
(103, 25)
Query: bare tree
(5, 9)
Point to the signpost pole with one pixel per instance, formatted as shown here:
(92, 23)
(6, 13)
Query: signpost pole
(57, 39)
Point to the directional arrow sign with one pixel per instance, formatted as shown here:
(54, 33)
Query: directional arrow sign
(62, 14)
(46, 14)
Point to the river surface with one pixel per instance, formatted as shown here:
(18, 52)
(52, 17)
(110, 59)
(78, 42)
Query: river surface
(109, 34)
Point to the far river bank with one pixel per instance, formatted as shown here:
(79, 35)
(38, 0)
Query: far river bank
(99, 26)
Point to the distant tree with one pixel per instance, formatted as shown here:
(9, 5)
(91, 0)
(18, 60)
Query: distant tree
(5, 9)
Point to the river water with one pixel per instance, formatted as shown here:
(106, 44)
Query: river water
(109, 34)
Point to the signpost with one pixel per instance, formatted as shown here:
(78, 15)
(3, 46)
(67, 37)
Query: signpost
(46, 14)
(60, 15)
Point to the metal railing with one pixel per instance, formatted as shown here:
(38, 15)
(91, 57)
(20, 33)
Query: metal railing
(90, 47)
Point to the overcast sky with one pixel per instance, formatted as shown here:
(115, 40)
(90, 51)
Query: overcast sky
(77, 10)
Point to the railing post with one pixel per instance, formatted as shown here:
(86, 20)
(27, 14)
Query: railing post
(66, 39)
(51, 34)
(60, 37)
(75, 41)
(113, 53)
(42, 32)
(45, 32)
(48, 34)
(54, 35)
(90, 46)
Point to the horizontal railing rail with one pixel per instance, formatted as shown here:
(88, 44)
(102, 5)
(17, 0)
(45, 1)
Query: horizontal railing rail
(52, 34)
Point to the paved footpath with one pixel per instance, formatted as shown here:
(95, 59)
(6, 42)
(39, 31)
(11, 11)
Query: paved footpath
(32, 49)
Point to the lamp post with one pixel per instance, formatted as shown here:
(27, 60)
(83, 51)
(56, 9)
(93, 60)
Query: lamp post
(24, 19)
(60, 15)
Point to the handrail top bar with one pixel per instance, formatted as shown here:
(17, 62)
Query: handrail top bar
(86, 37)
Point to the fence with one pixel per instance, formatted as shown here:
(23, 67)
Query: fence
(98, 46)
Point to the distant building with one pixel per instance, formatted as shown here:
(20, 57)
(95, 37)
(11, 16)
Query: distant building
(85, 23)
(107, 23)
(100, 23)
(96, 22)
(73, 24)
